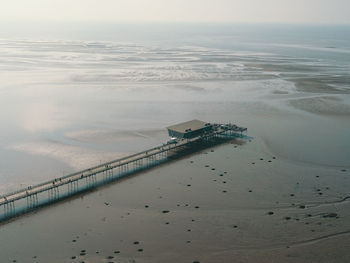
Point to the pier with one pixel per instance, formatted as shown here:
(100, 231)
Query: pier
(188, 135)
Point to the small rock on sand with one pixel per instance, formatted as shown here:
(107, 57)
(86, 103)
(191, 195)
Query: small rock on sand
(330, 215)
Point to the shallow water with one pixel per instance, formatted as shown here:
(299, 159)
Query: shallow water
(81, 102)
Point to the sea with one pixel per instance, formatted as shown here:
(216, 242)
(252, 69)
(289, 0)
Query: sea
(76, 94)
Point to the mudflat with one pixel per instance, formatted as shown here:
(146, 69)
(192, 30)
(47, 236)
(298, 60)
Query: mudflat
(237, 201)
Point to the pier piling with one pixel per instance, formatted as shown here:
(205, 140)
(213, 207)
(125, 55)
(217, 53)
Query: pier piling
(25, 200)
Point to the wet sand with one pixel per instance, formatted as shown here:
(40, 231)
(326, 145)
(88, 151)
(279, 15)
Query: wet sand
(323, 105)
(235, 202)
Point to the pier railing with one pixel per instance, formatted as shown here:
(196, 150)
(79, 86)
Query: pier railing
(32, 197)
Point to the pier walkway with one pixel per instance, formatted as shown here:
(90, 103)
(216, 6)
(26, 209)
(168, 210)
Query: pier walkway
(32, 197)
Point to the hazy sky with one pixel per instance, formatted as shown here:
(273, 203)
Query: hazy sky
(285, 11)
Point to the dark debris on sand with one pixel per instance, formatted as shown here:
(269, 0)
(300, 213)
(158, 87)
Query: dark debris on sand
(330, 215)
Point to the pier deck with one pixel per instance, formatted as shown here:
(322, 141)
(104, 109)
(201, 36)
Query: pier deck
(27, 199)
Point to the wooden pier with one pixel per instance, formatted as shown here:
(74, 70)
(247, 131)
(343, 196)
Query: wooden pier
(30, 198)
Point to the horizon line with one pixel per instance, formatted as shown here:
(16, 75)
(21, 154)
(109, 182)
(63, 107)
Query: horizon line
(127, 22)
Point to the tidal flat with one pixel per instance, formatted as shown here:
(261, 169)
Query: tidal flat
(280, 196)
(234, 201)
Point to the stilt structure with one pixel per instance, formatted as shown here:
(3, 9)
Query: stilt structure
(184, 136)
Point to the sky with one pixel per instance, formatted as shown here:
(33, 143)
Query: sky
(232, 11)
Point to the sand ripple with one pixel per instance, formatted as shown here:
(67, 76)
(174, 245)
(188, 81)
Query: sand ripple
(325, 105)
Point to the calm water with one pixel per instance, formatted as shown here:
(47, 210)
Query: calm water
(75, 95)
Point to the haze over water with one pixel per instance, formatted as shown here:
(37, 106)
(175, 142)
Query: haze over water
(74, 95)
